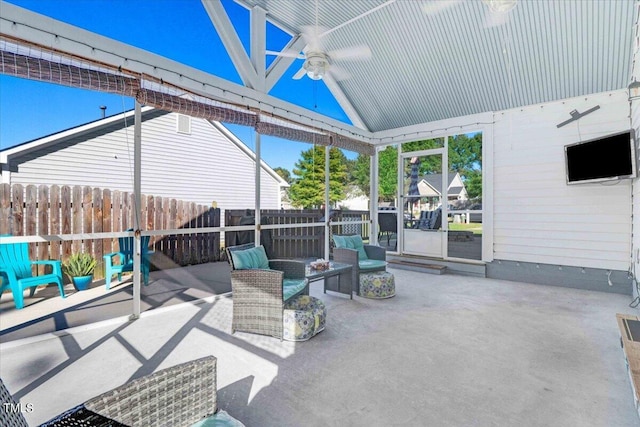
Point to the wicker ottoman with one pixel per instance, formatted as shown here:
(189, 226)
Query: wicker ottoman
(304, 316)
(377, 284)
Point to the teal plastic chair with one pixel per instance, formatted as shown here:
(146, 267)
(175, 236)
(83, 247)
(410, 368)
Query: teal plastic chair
(15, 271)
(125, 259)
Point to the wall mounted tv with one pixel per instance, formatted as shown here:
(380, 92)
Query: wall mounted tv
(603, 159)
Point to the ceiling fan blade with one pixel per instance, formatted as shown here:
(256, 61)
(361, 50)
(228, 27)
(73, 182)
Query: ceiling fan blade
(300, 74)
(338, 73)
(353, 52)
(436, 6)
(289, 53)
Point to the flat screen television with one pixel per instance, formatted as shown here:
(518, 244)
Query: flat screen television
(603, 159)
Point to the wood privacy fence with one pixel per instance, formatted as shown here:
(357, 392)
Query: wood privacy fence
(47, 210)
(299, 242)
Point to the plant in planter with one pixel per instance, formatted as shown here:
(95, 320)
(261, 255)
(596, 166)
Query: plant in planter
(79, 267)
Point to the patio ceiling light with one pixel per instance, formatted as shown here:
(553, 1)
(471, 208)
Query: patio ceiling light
(316, 65)
(500, 6)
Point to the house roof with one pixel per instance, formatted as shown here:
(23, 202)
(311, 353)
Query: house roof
(434, 60)
(435, 181)
(52, 140)
(454, 191)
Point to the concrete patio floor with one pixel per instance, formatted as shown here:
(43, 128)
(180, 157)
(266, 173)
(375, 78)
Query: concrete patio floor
(47, 312)
(446, 351)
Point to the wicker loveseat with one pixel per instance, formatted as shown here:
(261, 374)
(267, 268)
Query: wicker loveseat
(260, 289)
(183, 395)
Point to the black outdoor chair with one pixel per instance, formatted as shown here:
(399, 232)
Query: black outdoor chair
(387, 223)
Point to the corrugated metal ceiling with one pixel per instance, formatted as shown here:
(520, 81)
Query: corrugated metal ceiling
(428, 65)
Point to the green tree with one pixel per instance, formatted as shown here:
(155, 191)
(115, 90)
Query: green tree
(307, 190)
(465, 157)
(360, 173)
(284, 174)
(387, 173)
(473, 184)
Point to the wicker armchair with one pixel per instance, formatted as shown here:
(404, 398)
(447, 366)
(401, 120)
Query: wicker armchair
(259, 294)
(350, 256)
(178, 396)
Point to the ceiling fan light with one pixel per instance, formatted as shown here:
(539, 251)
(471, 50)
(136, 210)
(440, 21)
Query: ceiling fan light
(500, 6)
(316, 68)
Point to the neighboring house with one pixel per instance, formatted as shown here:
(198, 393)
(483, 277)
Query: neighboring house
(431, 186)
(186, 158)
(355, 199)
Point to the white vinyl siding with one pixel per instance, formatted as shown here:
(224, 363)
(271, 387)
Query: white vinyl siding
(538, 217)
(635, 124)
(202, 167)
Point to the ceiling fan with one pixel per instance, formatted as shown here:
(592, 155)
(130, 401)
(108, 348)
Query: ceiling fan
(498, 10)
(319, 62)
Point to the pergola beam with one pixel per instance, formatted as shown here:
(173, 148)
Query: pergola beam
(282, 63)
(258, 36)
(232, 42)
(344, 102)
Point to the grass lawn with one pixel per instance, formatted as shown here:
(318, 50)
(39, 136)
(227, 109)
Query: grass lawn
(476, 228)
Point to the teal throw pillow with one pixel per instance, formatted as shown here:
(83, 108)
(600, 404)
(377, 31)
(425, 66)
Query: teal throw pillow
(340, 241)
(250, 259)
(355, 242)
(351, 242)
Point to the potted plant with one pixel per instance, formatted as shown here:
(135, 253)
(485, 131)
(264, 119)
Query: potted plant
(79, 267)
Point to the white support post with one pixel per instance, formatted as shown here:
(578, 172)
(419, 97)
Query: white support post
(444, 209)
(373, 198)
(257, 187)
(401, 200)
(327, 208)
(137, 181)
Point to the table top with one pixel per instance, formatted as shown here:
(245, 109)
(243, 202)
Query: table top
(334, 267)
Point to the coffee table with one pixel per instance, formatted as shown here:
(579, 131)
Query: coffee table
(337, 278)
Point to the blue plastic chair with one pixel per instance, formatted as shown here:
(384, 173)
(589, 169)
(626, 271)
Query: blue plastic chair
(15, 271)
(125, 256)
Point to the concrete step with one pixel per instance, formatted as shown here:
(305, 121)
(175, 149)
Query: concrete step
(416, 266)
(418, 263)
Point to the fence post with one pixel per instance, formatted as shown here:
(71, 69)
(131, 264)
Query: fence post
(65, 213)
(5, 209)
(54, 216)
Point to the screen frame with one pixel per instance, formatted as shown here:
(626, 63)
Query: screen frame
(632, 148)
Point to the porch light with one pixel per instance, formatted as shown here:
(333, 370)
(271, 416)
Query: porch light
(500, 6)
(634, 89)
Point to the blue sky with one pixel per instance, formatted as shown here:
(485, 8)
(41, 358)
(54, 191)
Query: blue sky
(177, 29)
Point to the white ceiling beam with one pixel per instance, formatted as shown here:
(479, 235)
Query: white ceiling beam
(258, 37)
(454, 125)
(231, 42)
(45, 31)
(282, 63)
(343, 101)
